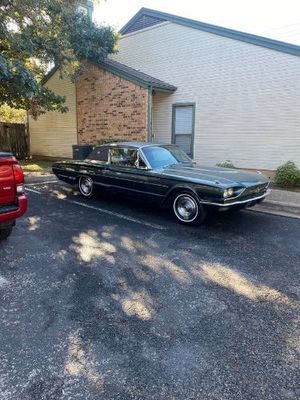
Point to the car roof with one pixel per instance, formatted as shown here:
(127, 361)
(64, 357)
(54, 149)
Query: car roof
(137, 145)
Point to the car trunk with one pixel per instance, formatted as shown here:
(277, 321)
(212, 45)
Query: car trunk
(7, 184)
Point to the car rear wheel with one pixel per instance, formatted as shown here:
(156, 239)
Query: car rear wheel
(86, 186)
(4, 233)
(188, 210)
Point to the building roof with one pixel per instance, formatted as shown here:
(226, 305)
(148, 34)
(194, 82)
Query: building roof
(126, 72)
(147, 17)
(136, 76)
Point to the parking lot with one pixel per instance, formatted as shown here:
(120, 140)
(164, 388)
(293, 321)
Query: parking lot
(108, 299)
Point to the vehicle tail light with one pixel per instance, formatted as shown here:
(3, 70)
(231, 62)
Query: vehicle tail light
(19, 178)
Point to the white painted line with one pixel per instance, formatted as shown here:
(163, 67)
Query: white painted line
(103, 210)
(115, 214)
(41, 183)
(32, 190)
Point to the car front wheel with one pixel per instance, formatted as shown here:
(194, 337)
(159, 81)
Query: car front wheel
(188, 210)
(86, 186)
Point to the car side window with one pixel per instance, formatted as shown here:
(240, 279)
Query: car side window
(99, 154)
(123, 156)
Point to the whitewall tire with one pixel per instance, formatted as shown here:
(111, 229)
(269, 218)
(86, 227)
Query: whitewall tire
(86, 186)
(188, 210)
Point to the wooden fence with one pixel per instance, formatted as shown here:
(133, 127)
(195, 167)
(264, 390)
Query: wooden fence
(14, 138)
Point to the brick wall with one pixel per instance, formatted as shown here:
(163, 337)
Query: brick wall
(110, 107)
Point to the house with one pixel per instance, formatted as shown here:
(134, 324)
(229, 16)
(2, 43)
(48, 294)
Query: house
(219, 94)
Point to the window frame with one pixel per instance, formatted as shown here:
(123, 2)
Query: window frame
(139, 155)
(179, 105)
(102, 149)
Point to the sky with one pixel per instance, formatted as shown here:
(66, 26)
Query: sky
(276, 19)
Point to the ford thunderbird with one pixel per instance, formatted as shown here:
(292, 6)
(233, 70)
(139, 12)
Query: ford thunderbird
(164, 174)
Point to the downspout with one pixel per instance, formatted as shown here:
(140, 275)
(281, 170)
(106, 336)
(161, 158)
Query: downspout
(150, 130)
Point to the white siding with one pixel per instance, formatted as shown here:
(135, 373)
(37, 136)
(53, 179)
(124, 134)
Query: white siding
(247, 97)
(54, 133)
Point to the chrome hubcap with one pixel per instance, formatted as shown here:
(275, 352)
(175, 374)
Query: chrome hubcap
(185, 208)
(86, 186)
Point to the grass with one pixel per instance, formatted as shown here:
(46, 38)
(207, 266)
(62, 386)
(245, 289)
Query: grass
(37, 167)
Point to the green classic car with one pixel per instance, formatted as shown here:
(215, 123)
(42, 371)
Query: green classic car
(164, 174)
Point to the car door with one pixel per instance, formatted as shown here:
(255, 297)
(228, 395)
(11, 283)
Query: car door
(95, 165)
(121, 169)
(128, 173)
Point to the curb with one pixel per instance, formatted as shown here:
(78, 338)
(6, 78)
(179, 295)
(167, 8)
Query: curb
(274, 212)
(285, 209)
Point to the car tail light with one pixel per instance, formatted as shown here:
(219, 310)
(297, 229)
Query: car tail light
(19, 178)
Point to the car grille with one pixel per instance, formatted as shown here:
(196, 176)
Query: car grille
(255, 191)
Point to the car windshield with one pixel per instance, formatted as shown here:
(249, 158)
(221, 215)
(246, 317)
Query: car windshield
(163, 156)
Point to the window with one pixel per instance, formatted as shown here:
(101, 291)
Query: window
(123, 156)
(99, 154)
(183, 121)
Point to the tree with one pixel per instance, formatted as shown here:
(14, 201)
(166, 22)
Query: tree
(8, 114)
(37, 33)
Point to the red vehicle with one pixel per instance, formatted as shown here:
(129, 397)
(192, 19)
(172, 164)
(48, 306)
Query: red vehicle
(13, 202)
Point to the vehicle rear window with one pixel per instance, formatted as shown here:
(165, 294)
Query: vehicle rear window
(99, 154)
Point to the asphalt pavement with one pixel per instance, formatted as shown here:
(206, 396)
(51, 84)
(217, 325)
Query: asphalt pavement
(111, 299)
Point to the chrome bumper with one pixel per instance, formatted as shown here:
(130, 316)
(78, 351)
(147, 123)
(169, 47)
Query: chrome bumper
(238, 202)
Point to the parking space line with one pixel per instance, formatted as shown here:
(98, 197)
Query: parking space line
(32, 190)
(118, 215)
(108, 212)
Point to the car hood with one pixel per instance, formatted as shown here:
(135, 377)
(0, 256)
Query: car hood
(224, 177)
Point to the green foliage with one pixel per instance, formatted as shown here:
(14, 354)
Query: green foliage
(226, 164)
(287, 175)
(37, 166)
(8, 114)
(37, 33)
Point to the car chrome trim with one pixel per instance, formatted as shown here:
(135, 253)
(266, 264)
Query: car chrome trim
(126, 189)
(236, 202)
(67, 176)
(119, 176)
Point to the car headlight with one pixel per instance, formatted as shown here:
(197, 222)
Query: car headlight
(233, 192)
(228, 193)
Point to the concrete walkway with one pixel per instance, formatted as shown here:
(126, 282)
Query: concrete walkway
(281, 202)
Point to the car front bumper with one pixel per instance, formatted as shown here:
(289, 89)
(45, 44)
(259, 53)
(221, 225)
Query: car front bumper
(238, 203)
(12, 212)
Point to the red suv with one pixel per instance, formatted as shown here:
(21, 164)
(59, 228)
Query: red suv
(13, 202)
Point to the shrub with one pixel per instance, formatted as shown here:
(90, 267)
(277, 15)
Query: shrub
(226, 164)
(287, 174)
